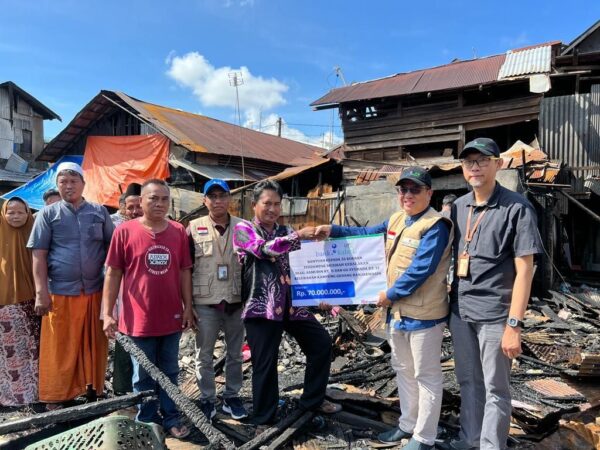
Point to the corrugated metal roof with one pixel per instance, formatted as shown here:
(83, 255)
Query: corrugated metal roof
(450, 76)
(9, 176)
(224, 173)
(525, 62)
(455, 75)
(195, 132)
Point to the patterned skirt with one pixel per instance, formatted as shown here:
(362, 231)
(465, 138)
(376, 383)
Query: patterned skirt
(19, 354)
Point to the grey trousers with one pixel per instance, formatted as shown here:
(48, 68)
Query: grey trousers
(483, 372)
(210, 322)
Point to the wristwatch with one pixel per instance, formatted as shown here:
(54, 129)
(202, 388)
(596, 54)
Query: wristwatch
(513, 322)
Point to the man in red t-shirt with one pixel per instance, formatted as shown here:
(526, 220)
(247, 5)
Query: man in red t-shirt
(151, 256)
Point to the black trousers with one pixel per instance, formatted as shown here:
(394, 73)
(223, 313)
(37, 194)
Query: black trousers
(122, 370)
(264, 337)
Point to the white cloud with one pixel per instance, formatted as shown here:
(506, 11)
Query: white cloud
(211, 85)
(258, 95)
(268, 124)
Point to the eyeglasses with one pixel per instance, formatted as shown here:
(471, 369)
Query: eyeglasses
(413, 190)
(215, 197)
(481, 162)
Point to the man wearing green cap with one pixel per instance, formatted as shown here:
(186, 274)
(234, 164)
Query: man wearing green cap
(418, 242)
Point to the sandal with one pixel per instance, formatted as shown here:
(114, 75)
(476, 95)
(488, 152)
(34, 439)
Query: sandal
(328, 407)
(180, 432)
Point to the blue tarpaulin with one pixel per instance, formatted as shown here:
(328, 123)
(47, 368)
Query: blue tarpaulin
(33, 191)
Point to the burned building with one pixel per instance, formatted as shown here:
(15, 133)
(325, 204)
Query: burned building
(199, 147)
(545, 95)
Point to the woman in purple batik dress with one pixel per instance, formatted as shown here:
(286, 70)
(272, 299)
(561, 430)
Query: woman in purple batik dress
(263, 246)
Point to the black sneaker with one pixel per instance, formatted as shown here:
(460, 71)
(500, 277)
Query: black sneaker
(208, 408)
(234, 407)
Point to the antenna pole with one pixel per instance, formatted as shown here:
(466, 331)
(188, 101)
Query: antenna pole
(235, 80)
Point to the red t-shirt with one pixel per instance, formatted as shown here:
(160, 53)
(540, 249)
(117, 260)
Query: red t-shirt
(151, 263)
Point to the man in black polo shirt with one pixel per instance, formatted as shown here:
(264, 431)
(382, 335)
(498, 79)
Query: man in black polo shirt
(495, 240)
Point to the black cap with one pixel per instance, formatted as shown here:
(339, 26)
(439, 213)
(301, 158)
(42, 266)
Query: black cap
(133, 189)
(485, 146)
(416, 174)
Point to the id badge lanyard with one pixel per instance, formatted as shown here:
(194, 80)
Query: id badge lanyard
(222, 268)
(462, 269)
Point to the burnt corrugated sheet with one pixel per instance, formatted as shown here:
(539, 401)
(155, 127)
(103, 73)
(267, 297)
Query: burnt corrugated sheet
(569, 132)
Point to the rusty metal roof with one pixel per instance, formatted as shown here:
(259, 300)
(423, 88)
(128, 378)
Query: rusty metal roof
(460, 74)
(450, 76)
(194, 132)
(552, 387)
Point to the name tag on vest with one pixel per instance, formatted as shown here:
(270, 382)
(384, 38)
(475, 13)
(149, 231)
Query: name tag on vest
(412, 243)
(391, 235)
(203, 231)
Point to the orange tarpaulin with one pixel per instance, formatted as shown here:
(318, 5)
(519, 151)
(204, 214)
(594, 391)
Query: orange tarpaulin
(110, 161)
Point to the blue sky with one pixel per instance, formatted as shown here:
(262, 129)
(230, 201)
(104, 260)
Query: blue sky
(179, 53)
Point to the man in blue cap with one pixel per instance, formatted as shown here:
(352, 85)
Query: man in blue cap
(217, 281)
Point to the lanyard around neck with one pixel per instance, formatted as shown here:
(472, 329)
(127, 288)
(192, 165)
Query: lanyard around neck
(218, 239)
(471, 231)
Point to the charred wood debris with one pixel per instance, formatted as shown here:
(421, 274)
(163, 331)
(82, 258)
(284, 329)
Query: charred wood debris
(556, 394)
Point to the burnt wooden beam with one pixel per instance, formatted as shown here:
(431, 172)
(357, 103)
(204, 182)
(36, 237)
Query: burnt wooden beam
(361, 422)
(86, 411)
(225, 428)
(342, 396)
(293, 429)
(353, 324)
(276, 429)
(591, 213)
(390, 388)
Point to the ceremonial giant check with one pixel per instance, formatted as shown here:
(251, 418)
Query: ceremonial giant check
(339, 271)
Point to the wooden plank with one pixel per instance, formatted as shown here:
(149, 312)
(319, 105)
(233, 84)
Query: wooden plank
(474, 110)
(79, 412)
(278, 428)
(403, 135)
(413, 141)
(400, 126)
(361, 422)
(522, 113)
(293, 429)
(496, 122)
(341, 396)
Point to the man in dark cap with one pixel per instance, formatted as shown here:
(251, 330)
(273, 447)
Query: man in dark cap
(418, 244)
(495, 240)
